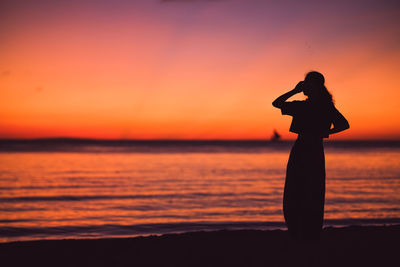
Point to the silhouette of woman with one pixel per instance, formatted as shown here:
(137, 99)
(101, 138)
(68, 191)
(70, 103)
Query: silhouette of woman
(304, 191)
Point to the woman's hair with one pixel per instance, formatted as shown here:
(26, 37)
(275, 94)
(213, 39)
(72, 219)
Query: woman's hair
(319, 81)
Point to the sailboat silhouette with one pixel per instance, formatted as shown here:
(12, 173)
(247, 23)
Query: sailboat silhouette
(275, 136)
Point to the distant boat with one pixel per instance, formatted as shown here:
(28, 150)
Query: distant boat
(275, 136)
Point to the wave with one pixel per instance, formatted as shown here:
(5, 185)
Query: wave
(112, 230)
(251, 197)
(56, 187)
(144, 196)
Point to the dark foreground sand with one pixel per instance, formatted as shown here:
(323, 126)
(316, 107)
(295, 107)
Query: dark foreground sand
(350, 246)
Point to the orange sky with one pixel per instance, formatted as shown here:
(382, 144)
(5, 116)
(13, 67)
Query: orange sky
(193, 69)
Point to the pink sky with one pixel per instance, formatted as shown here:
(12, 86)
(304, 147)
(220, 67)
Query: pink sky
(193, 69)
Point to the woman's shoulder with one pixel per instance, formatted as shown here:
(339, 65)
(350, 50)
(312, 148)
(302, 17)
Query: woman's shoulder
(333, 108)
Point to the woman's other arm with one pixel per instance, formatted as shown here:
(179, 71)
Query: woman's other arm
(339, 123)
(278, 103)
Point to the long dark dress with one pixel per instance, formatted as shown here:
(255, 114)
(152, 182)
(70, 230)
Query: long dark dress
(304, 192)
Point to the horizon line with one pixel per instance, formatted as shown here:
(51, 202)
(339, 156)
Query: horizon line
(60, 138)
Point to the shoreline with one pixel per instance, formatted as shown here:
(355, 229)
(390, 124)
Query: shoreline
(26, 234)
(345, 246)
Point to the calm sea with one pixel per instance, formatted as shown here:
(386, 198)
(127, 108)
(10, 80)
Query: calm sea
(53, 189)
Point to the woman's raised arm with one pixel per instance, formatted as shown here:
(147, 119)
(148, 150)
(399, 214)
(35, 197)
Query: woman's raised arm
(278, 103)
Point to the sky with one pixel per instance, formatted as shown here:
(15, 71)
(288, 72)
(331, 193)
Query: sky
(196, 69)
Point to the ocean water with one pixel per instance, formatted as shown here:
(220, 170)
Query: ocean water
(80, 189)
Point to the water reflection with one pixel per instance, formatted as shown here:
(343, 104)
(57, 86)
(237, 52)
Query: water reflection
(89, 189)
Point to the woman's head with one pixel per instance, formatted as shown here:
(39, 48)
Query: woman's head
(314, 87)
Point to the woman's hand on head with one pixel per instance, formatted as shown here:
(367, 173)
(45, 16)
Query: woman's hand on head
(299, 87)
(278, 103)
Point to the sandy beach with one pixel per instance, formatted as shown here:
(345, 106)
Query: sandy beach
(349, 246)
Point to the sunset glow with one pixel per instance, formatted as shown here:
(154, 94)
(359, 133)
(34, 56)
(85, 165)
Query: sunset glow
(193, 69)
